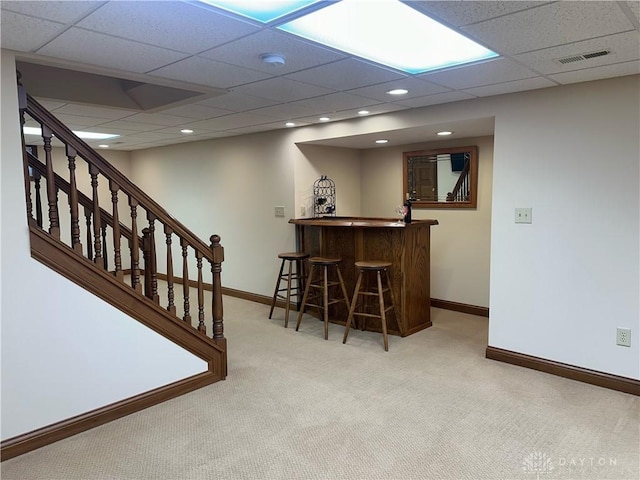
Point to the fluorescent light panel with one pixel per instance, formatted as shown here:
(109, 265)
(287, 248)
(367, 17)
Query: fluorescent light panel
(84, 135)
(387, 32)
(264, 11)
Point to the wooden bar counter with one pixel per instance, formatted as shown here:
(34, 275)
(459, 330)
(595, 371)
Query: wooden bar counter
(406, 246)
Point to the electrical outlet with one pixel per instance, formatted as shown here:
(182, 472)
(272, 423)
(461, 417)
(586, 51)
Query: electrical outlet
(623, 337)
(279, 211)
(303, 211)
(523, 215)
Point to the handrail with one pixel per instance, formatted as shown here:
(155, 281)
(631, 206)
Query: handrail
(461, 181)
(85, 201)
(62, 132)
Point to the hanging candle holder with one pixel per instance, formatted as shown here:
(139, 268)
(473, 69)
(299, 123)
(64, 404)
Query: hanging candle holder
(324, 197)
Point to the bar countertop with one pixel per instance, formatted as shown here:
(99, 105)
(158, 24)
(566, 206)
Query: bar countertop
(359, 222)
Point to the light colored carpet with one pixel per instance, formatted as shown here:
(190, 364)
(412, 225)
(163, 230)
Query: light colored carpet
(295, 406)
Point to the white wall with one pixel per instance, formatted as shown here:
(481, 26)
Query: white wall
(64, 351)
(460, 244)
(561, 286)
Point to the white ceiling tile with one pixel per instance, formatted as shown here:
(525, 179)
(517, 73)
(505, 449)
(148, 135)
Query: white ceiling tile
(550, 25)
(26, 34)
(237, 102)
(91, 111)
(484, 73)
(436, 99)
(635, 9)
(334, 102)
(236, 120)
(60, 11)
(598, 73)
(345, 74)
(78, 120)
(195, 111)
(108, 52)
(284, 111)
(623, 47)
(298, 53)
(510, 87)
(207, 72)
(464, 13)
(169, 24)
(130, 126)
(415, 86)
(156, 119)
(50, 105)
(282, 89)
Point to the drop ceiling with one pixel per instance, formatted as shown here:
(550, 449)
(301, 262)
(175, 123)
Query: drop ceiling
(194, 47)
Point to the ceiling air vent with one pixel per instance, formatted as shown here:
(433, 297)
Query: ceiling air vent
(583, 56)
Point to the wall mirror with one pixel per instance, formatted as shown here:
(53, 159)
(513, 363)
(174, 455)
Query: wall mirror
(442, 178)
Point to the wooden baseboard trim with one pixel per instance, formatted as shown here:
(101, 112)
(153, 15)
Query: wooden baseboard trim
(254, 297)
(460, 307)
(593, 377)
(44, 436)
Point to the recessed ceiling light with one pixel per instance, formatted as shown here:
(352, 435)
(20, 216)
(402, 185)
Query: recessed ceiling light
(324, 119)
(444, 133)
(103, 146)
(363, 112)
(186, 130)
(85, 135)
(412, 42)
(398, 91)
(382, 140)
(290, 124)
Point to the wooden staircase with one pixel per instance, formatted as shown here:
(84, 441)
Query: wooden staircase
(117, 242)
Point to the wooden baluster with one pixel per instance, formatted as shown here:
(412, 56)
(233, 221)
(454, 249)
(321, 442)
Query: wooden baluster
(135, 247)
(153, 264)
(117, 254)
(73, 201)
(171, 307)
(97, 245)
(52, 196)
(185, 281)
(216, 268)
(105, 262)
(87, 217)
(36, 181)
(146, 254)
(201, 326)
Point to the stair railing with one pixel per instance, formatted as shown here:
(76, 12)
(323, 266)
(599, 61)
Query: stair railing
(127, 218)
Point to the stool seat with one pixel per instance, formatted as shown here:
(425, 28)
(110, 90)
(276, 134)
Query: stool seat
(289, 277)
(322, 286)
(372, 267)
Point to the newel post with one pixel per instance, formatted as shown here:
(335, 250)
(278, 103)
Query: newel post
(216, 268)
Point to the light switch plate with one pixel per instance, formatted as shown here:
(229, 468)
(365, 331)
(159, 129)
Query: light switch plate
(523, 215)
(279, 211)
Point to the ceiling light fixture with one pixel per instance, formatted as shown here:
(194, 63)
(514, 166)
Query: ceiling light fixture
(186, 130)
(273, 59)
(382, 140)
(324, 119)
(290, 124)
(444, 133)
(103, 146)
(264, 11)
(398, 91)
(84, 135)
(363, 112)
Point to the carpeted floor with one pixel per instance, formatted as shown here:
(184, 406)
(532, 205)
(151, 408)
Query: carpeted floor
(295, 406)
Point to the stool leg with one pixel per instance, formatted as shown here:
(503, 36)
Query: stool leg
(325, 301)
(352, 308)
(304, 297)
(275, 293)
(383, 319)
(393, 300)
(344, 289)
(286, 308)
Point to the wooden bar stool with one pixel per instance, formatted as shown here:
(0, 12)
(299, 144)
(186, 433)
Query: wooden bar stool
(290, 276)
(364, 268)
(321, 285)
